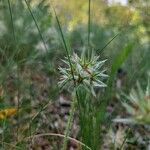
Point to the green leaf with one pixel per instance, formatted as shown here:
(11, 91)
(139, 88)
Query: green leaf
(121, 58)
(118, 61)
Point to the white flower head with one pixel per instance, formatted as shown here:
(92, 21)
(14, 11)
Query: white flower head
(86, 72)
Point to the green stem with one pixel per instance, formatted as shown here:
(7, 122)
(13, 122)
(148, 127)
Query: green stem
(89, 22)
(36, 24)
(10, 10)
(69, 124)
(18, 89)
(70, 121)
(89, 28)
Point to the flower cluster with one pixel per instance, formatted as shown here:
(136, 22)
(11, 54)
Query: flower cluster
(83, 71)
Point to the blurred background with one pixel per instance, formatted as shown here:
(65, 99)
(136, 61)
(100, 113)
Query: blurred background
(31, 50)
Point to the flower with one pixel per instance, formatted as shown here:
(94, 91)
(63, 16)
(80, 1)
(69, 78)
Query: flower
(6, 113)
(83, 71)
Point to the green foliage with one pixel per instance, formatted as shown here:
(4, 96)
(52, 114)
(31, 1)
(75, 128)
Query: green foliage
(138, 106)
(89, 118)
(31, 51)
(118, 62)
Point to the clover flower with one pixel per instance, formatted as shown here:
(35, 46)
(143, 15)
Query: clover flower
(84, 71)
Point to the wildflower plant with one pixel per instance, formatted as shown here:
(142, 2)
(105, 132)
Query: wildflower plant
(87, 72)
(81, 73)
(138, 106)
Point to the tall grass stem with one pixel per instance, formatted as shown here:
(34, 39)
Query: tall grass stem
(89, 28)
(69, 124)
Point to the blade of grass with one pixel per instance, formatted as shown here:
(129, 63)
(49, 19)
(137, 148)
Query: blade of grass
(18, 90)
(11, 16)
(66, 49)
(30, 123)
(36, 24)
(35, 116)
(120, 59)
(72, 110)
(101, 50)
(64, 42)
(125, 139)
(13, 32)
(89, 22)
(61, 135)
(89, 29)
(123, 29)
(40, 34)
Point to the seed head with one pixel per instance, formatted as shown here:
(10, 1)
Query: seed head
(86, 72)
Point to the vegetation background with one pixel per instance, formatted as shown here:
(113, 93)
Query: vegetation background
(33, 110)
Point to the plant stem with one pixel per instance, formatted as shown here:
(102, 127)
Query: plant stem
(89, 28)
(31, 98)
(89, 22)
(36, 24)
(70, 121)
(122, 145)
(18, 94)
(69, 124)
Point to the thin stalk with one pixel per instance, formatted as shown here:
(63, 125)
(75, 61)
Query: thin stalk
(36, 24)
(32, 119)
(18, 101)
(11, 16)
(38, 113)
(30, 124)
(72, 111)
(40, 34)
(60, 135)
(101, 50)
(65, 45)
(123, 29)
(89, 22)
(13, 31)
(89, 28)
(69, 124)
(128, 131)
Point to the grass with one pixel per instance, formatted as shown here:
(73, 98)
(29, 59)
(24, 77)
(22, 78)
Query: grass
(26, 77)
